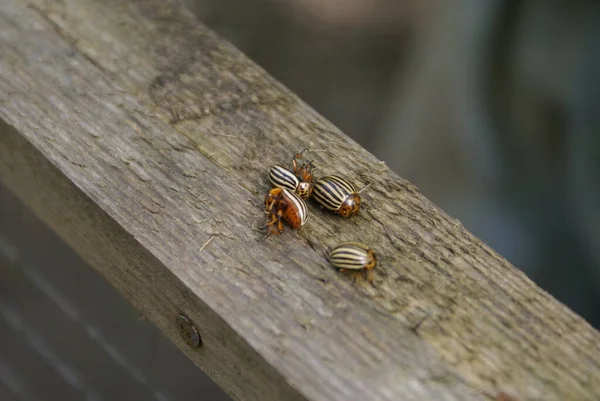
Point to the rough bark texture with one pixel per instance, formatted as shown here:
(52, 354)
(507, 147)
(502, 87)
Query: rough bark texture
(138, 135)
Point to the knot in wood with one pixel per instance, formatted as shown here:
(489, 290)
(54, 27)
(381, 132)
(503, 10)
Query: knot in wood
(188, 332)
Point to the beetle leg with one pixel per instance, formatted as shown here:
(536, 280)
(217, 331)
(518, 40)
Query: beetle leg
(272, 231)
(307, 176)
(294, 166)
(354, 274)
(370, 277)
(306, 170)
(271, 219)
(269, 206)
(300, 154)
(298, 170)
(275, 219)
(280, 221)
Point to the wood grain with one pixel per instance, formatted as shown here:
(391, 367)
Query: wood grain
(138, 136)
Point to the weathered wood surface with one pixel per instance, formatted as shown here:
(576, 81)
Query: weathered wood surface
(138, 135)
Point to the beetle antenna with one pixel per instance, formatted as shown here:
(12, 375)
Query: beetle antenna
(299, 154)
(365, 187)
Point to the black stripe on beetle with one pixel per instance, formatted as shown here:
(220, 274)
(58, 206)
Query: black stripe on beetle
(343, 183)
(283, 178)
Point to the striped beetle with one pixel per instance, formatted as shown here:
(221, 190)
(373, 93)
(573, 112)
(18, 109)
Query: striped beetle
(337, 194)
(284, 205)
(299, 181)
(354, 256)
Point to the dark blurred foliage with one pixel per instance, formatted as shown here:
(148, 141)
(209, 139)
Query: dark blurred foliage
(490, 107)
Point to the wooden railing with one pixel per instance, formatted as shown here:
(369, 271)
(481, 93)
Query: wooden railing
(144, 141)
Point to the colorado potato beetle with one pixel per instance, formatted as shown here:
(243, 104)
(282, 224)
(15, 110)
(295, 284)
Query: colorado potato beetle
(299, 181)
(337, 194)
(353, 256)
(284, 205)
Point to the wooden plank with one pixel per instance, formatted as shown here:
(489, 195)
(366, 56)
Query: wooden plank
(49, 299)
(138, 135)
